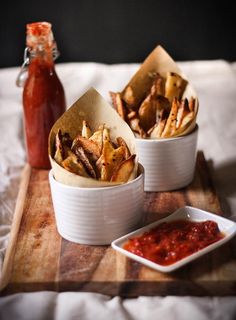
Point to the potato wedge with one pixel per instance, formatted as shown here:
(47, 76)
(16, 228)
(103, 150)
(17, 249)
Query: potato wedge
(82, 157)
(86, 131)
(121, 142)
(157, 88)
(183, 110)
(63, 143)
(192, 104)
(156, 131)
(110, 159)
(59, 148)
(124, 170)
(128, 96)
(147, 113)
(134, 124)
(118, 104)
(186, 122)
(97, 138)
(174, 86)
(91, 147)
(131, 115)
(72, 164)
(170, 126)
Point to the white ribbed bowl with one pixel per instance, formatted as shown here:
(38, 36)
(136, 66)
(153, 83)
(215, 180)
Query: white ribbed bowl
(97, 216)
(168, 163)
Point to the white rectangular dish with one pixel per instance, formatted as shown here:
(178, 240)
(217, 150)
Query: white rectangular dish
(226, 226)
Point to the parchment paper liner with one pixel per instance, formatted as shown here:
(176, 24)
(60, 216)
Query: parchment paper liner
(159, 61)
(96, 111)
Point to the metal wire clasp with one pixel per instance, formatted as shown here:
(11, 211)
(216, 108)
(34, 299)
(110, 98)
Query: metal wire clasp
(23, 74)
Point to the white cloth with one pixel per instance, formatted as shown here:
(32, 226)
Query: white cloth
(215, 83)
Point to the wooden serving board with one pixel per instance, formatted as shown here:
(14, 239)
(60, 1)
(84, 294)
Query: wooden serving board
(39, 259)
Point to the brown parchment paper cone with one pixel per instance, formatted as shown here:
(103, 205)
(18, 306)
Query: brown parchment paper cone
(93, 108)
(159, 61)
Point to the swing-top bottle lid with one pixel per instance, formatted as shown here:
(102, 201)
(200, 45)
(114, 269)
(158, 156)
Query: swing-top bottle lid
(39, 34)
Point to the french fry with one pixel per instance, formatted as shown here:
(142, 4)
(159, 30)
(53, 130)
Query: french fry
(110, 159)
(86, 131)
(183, 110)
(72, 164)
(124, 170)
(147, 113)
(170, 126)
(156, 131)
(121, 142)
(97, 138)
(89, 146)
(174, 86)
(186, 122)
(128, 96)
(192, 104)
(118, 104)
(59, 148)
(134, 124)
(82, 157)
(131, 115)
(63, 143)
(157, 88)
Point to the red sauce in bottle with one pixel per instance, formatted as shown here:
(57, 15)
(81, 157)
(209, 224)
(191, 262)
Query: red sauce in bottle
(43, 95)
(172, 241)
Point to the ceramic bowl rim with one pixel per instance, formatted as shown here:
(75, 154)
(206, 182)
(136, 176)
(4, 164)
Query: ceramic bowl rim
(140, 176)
(166, 140)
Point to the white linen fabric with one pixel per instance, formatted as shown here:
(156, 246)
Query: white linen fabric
(215, 83)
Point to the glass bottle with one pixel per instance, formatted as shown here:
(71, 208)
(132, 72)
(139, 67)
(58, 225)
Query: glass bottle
(43, 94)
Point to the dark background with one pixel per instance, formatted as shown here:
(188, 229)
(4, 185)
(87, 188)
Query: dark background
(116, 31)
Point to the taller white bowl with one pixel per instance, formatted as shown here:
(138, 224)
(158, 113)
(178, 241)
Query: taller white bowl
(97, 216)
(168, 163)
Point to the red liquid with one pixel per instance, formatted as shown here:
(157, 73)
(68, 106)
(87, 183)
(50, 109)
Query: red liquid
(172, 241)
(44, 103)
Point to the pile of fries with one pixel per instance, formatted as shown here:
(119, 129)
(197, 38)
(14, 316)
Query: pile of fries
(162, 112)
(94, 155)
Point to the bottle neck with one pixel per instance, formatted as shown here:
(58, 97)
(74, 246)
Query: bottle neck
(42, 57)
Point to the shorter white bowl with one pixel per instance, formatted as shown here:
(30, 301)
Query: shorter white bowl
(97, 216)
(226, 226)
(169, 163)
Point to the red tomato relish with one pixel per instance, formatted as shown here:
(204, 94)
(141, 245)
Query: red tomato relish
(172, 241)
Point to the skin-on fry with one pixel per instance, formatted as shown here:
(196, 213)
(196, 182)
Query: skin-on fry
(121, 142)
(170, 126)
(150, 109)
(186, 122)
(86, 131)
(97, 138)
(59, 149)
(82, 157)
(63, 143)
(134, 124)
(174, 86)
(110, 159)
(72, 164)
(124, 170)
(128, 96)
(183, 110)
(156, 131)
(118, 104)
(88, 145)
(192, 104)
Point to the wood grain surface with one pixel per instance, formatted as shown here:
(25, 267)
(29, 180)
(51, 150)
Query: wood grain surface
(39, 259)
